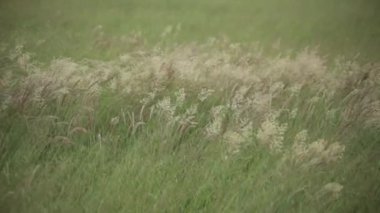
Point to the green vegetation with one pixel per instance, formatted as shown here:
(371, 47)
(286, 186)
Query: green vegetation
(173, 106)
(54, 28)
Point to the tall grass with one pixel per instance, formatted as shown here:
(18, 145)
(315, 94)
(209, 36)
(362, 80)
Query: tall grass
(213, 127)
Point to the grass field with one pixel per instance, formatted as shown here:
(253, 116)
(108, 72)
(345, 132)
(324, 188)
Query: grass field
(189, 106)
(65, 28)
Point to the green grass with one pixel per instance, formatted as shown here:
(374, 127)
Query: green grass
(66, 26)
(79, 135)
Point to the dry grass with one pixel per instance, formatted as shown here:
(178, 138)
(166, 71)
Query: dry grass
(205, 102)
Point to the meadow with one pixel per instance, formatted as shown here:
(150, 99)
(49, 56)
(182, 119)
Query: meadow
(189, 106)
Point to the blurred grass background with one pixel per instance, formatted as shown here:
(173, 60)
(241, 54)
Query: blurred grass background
(53, 28)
